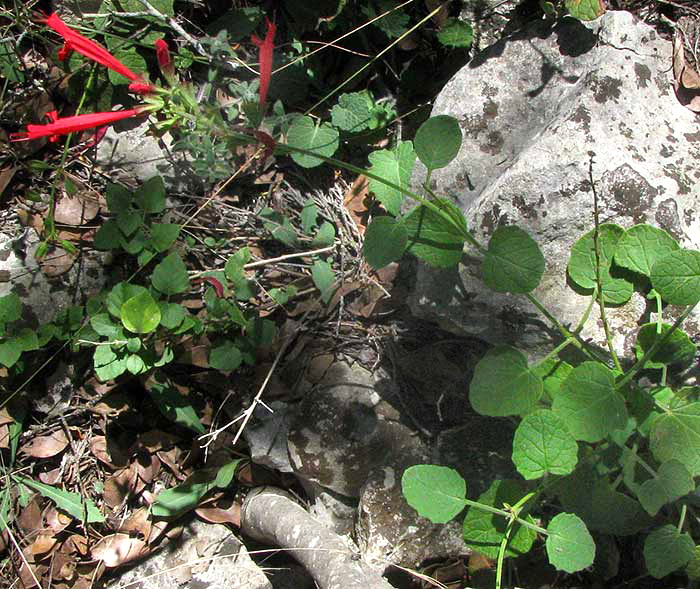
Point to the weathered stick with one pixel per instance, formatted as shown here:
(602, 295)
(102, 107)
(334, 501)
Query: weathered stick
(270, 515)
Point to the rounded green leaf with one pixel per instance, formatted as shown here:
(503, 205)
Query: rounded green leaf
(693, 567)
(385, 241)
(151, 195)
(433, 238)
(642, 246)
(170, 275)
(456, 33)
(393, 165)
(570, 547)
(483, 531)
(135, 364)
(667, 550)
(438, 141)
(671, 482)
(676, 277)
(172, 314)
(140, 314)
(675, 434)
(589, 404)
(513, 262)
(120, 293)
(435, 492)
(163, 235)
(543, 445)
(321, 138)
(108, 236)
(10, 308)
(678, 348)
(503, 384)
(352, 113)
(585, 9)
(226, 357)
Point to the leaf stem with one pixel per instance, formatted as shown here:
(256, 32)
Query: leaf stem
(506, 514)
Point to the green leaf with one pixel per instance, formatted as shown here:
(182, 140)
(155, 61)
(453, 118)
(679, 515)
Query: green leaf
(279, 226)
(170, 275)
(309, 215)
(642, 246)
(513, 262)
(667, 550)
(131, 59)
(394, 24)
(140, 314)
(324, 279)
(585, 9)
(325, 235)
(225, 474)
(385, 241)
(120, 293)
(163, 235)
(26, 339)
(151, 195)
(171, 314)
(437, 141)
(321, 139)
(135, 364)
(676, 435)
(434, 239)
(582, 264)
(238, 23)
(234, 265)
(456, 33)
(435, 492)
(68, 501)
(693, 567)
(396, 166)
(129, 221)
(10, 352)
(679, 348)
(570, 547)
(102, 324)
(353, 112)
(281, 296)
(173, 502)
(671, 482)
(589, 404)
(10, 308)
(118, 198)
(225, 357)
(174, 405)
(10, 66)
(553, 373)
(676, 277)
(483, 530)
(503, 384)
(542, 445)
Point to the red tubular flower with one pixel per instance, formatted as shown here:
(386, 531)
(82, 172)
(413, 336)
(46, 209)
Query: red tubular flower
(266, 57)
(74, 41)
(59, 126)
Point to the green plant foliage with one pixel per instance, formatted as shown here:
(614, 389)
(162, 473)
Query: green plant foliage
(171, 314)
(140, 314)
(103, 325)
(150, 197)
(693, 567)
(553, 373)
(225, 357)
(585, 9)
(324, 279)
(483, 531)
(68, 501)
(666, 550)
(503, 384)
(10, 308)
(543, 445)
(642, 246)
(385, 241)
(353, 113)
(435, 492)
(321, 138)
(170, 276)
(582, 264)
(131, 59)
(438, 141)
(119, 294)
(570, 547)
(676, 277)
(513, 261)
(393, 165)
(108, 364)
(393, 24)
(589, 403)
(164, 235)
(671, 482)
(432, 237)
(173, 405)
(239, 23)
(675, 434)
(10, 65)
(456, 33)
(279, 226)
(678, 349)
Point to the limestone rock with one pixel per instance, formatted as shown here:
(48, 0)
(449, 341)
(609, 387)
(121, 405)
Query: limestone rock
(533, 108)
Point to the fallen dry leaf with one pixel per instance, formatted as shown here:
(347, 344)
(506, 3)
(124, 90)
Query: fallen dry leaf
(118, 487)
(6, 175)
(47, 446)
(685, 66)
(58, 261)
(29, 519)
(156, 440)
(117, 549)
(76, 544)
(138, 522)
(50, 477)
(4, 436)
(356, 201)
(43, 544)
(112, 457)
(62, 567)
(56, 520)
(76, 209)
(219, 515)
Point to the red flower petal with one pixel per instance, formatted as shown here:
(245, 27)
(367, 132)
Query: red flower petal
(267, 48)
(75, 123)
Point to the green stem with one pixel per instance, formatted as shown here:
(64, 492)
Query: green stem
(681, 520)
(515, 512)
(554, 352)
(505, 514)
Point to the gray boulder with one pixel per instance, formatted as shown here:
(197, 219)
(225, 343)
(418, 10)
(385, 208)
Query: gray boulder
(534, 108)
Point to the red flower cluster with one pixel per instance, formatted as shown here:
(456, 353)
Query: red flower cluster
(267, 48)
(74, 41)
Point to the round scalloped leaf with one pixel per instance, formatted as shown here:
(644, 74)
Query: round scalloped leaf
(570, 547)
(542, 444)
(140, 314)
(385, 241)
(503, 384)
(437, 141)
(435, 492)
(642, 246)
(432, 238)
(321, 138)
(589, 404)
(483, 530)
(513, 262)
(225, 357)
(456, 33)
(679, 349)
(396, 166)
(120, 293)
(693, 567)
(585, 9)
(170, 275)
(352, 113)
(675, 434)
(676, 277)
(671, 482)
(666, 550)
